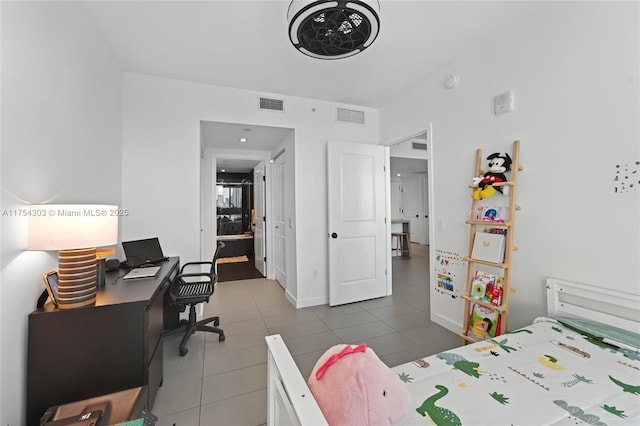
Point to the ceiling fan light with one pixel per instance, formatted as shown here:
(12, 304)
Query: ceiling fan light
(333, 29)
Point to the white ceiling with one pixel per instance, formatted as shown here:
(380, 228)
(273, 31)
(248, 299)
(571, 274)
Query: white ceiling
(227, 136)
(407, 166)
(244, 44)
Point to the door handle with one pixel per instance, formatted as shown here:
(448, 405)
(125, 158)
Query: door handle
(417, 215)
(334, 235)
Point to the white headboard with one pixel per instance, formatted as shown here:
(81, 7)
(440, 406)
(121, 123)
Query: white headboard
(569, 299)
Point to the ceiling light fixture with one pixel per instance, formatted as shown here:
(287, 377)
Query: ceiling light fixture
(333, 29)
(243, 139)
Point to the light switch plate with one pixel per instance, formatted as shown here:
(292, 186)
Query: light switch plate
(503, 103)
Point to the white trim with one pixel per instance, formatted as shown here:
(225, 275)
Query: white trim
(288, 396)
(387, 231)
(445, 322)
(313, 301)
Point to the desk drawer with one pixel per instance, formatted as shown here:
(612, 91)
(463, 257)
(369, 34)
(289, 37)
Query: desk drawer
(154, 374)
(155, 319)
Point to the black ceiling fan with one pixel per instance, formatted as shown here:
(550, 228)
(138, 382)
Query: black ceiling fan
(333, 29)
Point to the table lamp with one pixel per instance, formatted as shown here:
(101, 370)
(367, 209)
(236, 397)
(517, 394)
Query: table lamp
(74, 230)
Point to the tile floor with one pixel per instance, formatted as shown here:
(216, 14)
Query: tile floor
(224, 383)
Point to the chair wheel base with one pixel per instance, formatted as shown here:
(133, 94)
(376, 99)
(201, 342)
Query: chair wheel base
(216, 322)
(184, 351)
(221, 338)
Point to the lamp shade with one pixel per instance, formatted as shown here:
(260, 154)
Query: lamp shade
(72, 226)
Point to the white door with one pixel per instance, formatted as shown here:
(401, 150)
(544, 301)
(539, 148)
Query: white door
(412, 206)
(279, 222)
(259, 236)
(358, 240)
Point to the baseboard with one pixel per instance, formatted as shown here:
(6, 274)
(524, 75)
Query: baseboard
(446, 323)
(305, 303)
(315, 301)
(290, 298)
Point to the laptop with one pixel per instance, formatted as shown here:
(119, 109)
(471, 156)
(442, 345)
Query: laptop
(143, 252)
(142, 272)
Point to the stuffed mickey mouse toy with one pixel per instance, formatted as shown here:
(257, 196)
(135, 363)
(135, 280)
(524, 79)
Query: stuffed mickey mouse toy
(498, 165)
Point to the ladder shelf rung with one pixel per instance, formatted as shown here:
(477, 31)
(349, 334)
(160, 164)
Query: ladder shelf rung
(500, 309)
(507, 183)
(465, 337)
(484, 262)
(489, 223)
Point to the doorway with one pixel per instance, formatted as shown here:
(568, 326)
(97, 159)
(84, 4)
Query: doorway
(231, 152)
(236, 225)
(411, 192)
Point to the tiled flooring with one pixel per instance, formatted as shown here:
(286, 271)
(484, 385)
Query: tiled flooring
(224, 383)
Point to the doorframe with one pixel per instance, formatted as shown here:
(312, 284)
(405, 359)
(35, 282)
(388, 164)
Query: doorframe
(264, 165)
(430, 190)
(274, 253)
(208, 179)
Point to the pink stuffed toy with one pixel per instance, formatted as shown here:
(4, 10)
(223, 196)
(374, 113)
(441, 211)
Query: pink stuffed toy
(353, 387)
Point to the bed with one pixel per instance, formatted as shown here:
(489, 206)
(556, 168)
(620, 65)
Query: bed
(578, 365)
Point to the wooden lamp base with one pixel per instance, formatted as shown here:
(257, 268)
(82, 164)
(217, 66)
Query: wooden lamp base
(77, 273)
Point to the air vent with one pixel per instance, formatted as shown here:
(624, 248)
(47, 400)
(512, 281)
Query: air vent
(271, 104)
(350, 116)
(422, 146)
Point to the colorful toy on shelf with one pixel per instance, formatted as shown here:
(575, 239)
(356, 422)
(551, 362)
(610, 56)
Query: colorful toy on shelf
(498, 165)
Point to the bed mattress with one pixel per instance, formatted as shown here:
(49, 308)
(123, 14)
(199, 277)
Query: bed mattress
(543, 374)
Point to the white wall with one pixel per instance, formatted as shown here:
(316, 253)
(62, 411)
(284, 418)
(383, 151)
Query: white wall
(161, 132)
(61, 142)
(574, 73)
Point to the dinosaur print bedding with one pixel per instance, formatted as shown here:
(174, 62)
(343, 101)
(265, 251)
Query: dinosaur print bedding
(543, 374)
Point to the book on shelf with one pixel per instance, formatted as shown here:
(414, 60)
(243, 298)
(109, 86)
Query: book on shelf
(484, 323)
(492, 213)
(487, 287)
(488, 246)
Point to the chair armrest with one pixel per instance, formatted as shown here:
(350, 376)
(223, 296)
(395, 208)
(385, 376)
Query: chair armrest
(192, 274)
(194, 263)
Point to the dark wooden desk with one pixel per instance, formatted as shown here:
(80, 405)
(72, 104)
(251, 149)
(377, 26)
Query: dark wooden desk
(82, 353)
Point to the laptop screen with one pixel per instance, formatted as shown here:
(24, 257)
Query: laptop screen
(139, 252)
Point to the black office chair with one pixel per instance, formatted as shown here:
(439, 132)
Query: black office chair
(191, 288)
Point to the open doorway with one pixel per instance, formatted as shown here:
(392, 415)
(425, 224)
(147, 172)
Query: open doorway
(233, 156)
(411, 192)
(236, 224)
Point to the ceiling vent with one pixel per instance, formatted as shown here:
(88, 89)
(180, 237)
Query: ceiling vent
(326, 29)
(350, 116)
(270, 104)
(421, 146)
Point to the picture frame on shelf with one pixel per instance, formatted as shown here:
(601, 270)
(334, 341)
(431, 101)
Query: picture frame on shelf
(51, 284)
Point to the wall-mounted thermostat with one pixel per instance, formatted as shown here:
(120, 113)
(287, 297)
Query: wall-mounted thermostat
(503, 103)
